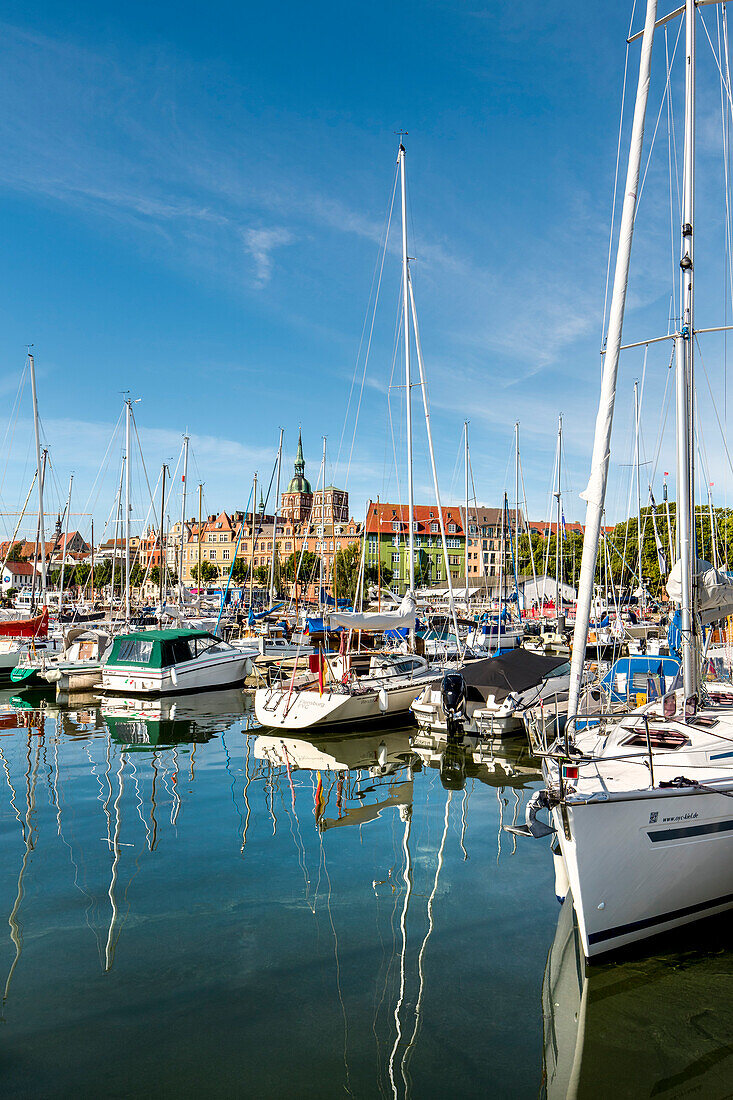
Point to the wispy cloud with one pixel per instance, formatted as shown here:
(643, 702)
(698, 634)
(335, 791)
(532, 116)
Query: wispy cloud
(260, 244)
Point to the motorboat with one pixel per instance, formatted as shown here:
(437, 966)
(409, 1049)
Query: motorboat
(488, 697)
(164, 662)
(77, 667)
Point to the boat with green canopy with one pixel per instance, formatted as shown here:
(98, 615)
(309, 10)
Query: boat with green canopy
(164, 662)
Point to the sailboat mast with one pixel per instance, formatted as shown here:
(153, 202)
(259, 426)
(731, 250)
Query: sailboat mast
(558, 529)
(198, 579)
(66, 544)
(162, 559)
(465, 531)
(408, 376)
(277, 512)
(252, 545)
(516, 512)
(41, 527)
(128, 415)
(595, 493)
(637, 465)
(183, 520)
(684, 371)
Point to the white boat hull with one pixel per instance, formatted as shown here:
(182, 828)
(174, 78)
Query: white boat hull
(198, 675)
(299, 710)
(642, 865)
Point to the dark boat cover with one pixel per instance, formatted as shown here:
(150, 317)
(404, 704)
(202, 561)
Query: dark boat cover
(500, 676)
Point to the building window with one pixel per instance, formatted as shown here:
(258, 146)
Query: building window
(452, 528)
(453, 543)
(395, 526)
(435, 527)
(225, 555)
(395, 558)
(212, 554)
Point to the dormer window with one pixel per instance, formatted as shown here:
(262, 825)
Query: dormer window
(452, 527)
(434, 527)
(395, 525)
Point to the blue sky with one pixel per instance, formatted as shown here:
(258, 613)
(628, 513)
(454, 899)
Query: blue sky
(193, 199)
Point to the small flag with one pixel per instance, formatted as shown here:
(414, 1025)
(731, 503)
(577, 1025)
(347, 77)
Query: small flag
(564, 532)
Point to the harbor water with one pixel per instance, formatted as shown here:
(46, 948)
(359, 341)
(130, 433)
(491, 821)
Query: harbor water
(191, 906)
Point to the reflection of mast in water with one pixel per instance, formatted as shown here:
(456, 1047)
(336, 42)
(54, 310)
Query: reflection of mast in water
(418, 1006)
(176, 803)
(15, 928)
(153, 803)
(464, 818)
(406, 814)
(115, 846)
(295, 833)
(322, 862)
(13, 794)
(248, 780)
(57, 800)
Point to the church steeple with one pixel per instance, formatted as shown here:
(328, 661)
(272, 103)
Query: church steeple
(299, 482)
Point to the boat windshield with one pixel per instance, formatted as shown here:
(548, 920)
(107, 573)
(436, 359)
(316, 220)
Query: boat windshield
(135, 651)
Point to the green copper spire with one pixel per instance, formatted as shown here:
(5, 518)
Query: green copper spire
(299, 483)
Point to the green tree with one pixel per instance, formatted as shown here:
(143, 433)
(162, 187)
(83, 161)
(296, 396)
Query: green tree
(15, 550)
(373, 574)
(82, 574)
(209, 573)
(240, 571)
(310, 567)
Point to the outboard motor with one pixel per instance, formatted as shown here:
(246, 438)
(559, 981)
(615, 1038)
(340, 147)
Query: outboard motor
(453, 698)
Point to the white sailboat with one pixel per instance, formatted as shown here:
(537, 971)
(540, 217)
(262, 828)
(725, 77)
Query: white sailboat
(371, 685)
(643, 806)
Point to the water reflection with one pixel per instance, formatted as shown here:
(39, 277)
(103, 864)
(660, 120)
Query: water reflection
(659, 1025)
(165, 860)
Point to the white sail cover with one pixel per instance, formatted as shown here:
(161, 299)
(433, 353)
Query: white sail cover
(403, 618)
(714, 590)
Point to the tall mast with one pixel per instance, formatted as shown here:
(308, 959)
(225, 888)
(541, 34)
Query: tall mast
(408, 376)
(433, 467)
(684, 371)
(637, 465)
(66, 543)
(322, 593)
(41, 527)
(277, 512)
(183, 520)
(465, 497)
(128, 415)
(713, 539)
(198, 583)
(252, 545)
(162, 562)
(516, 513)
(595, 493)
(558, 531)
(91, 575)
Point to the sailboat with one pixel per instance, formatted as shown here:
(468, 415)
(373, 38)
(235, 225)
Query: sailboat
(359, 687)
(642, 806)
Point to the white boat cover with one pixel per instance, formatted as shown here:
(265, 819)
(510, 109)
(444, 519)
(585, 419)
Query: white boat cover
(403, 618)
(714, 590)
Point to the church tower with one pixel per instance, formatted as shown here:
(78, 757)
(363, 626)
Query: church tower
(297, 500)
